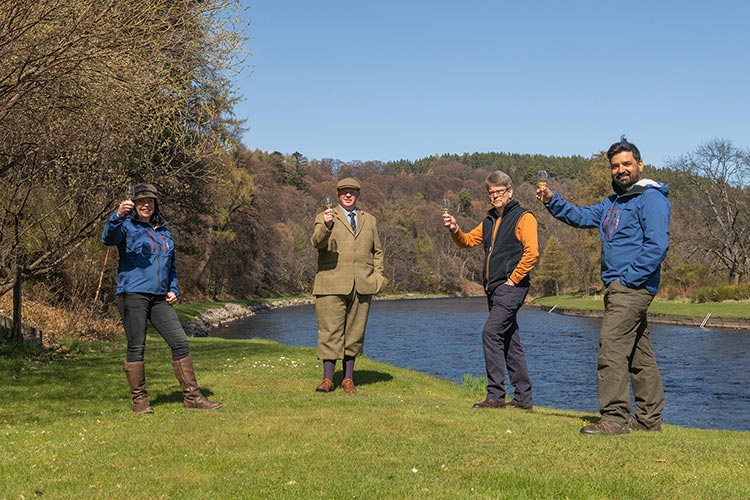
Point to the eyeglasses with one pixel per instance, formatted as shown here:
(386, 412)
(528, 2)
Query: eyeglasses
(496, 193)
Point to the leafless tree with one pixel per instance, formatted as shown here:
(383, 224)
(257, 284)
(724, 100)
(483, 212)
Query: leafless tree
(718, 174)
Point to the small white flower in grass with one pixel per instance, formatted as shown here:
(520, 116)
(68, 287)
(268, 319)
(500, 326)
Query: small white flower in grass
(508, 431)
(414, 470)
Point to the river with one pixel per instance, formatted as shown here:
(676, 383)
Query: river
(706, 372)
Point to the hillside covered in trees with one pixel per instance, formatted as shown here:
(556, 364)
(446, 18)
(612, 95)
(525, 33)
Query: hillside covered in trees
(258, 241)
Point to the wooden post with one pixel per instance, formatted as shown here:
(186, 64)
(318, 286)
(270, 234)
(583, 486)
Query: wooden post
(101, 278)
(17, 323)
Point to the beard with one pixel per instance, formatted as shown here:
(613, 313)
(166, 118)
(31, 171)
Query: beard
(623, 183)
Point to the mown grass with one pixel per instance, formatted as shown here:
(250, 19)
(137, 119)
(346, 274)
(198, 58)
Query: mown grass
(67, 432)
(726, 309)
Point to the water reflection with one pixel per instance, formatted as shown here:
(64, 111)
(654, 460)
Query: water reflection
(705, 372)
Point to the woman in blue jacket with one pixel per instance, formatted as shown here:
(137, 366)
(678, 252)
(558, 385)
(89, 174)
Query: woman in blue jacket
(146, 290)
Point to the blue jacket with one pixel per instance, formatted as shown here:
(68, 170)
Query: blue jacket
(147, 258)
(633, 229)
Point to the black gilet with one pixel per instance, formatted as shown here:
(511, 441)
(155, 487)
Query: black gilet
(502, 257)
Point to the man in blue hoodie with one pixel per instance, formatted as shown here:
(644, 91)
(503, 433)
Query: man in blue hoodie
(633, 227)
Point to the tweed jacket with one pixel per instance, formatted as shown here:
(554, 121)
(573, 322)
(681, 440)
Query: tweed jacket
(348, 261)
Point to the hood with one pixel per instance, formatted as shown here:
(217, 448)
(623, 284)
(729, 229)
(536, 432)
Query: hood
(642, 185)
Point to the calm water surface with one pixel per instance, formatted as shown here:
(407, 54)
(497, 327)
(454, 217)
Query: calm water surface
(706, 372)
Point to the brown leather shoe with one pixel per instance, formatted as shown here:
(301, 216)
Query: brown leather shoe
(635, 425)
(514, 404)
(325, 386)
(348, 386)
(607, 427)
(489, 403)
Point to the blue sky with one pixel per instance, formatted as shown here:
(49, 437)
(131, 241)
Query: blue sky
(386, 80)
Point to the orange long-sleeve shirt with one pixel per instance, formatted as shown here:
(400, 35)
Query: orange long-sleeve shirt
(526, 233)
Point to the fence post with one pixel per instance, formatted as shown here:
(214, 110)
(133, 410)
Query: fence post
(17, 323)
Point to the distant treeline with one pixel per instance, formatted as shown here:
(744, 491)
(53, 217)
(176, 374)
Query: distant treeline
(258, 243)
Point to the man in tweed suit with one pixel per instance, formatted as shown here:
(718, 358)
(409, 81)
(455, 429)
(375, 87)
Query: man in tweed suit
(350, 272)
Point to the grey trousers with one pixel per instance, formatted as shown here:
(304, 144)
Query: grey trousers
(502, 346)
(626, 355)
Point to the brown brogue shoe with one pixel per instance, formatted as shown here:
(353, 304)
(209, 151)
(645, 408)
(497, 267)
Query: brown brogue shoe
(489, 403)
(514, 404)
(325, 386)
(348, 386)
(607, 427)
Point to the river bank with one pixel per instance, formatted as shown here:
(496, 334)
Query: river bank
(666, 319)
(442, 337)
(216, 317)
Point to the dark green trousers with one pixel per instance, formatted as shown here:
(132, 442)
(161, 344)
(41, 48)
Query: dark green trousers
(626, 355)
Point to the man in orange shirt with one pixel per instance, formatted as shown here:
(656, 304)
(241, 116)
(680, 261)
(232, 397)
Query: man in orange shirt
(509, 237)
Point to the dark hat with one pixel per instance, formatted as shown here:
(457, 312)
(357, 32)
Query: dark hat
(348, 183)
(144, 191)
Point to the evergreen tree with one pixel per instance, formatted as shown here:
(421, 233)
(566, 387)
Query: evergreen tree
(554, 269)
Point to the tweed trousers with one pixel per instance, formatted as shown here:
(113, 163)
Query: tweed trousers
(342, 321)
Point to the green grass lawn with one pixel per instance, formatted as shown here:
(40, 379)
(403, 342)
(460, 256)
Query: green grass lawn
(726, 309)
(66, 431)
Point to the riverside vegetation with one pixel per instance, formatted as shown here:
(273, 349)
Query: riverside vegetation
(67, 431)
(737, 309)
(733, 314)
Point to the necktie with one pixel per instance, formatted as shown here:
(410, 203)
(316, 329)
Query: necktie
(353, 219)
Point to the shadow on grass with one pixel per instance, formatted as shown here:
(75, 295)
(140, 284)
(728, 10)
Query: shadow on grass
(364, 377)
(589, 419)
(175, 397)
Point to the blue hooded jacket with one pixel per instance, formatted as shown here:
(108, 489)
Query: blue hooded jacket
(633, 229)
(147, 257)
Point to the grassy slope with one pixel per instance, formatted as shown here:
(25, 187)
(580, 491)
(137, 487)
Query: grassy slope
(67, 431)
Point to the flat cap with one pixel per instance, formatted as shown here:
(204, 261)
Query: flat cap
(348, 183)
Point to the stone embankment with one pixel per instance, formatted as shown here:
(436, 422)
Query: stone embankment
(214, 318)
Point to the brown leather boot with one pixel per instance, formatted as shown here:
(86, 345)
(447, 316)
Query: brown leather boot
(137, 381)
(192, 396)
